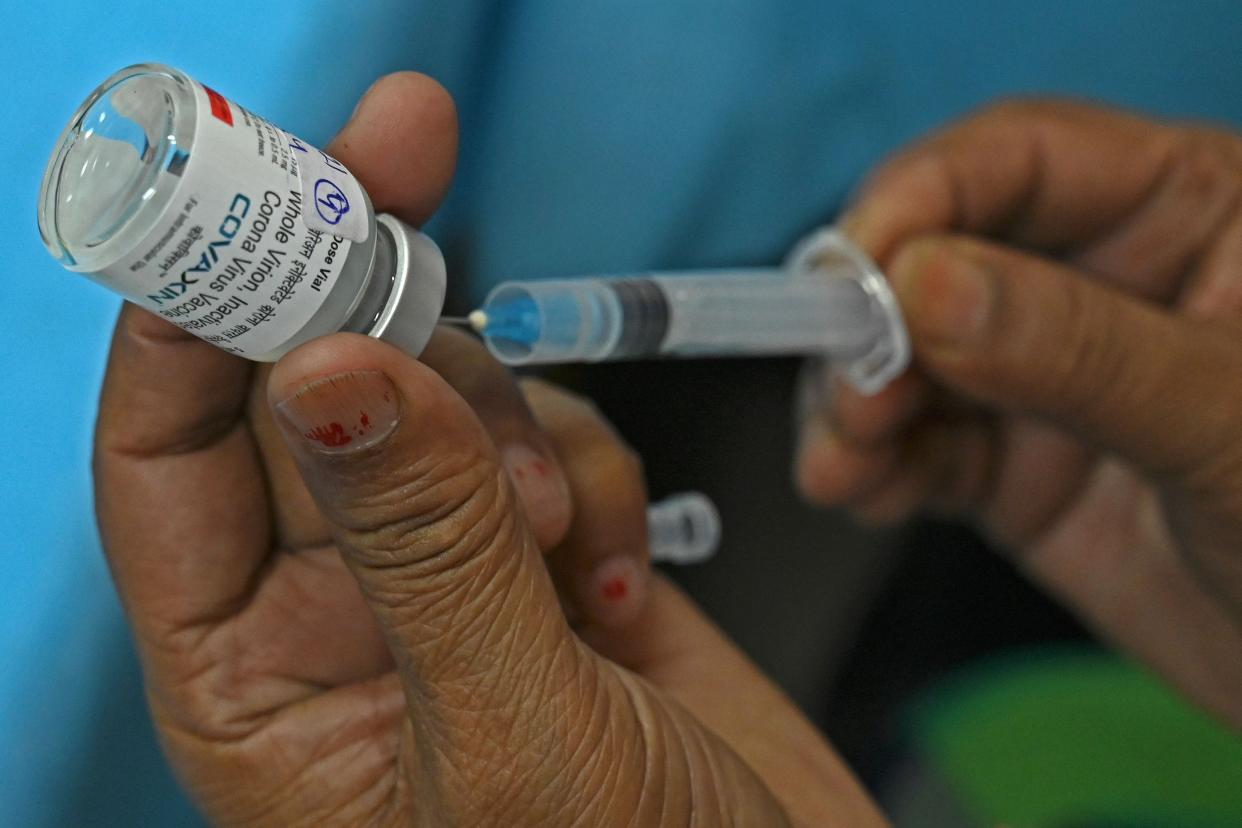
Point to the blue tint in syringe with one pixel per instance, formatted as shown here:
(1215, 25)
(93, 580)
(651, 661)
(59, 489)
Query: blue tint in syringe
(828, 299)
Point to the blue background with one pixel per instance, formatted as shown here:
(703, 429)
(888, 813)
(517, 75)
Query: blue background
(595, 136)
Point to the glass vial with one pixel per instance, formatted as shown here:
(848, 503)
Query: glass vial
(217, 220)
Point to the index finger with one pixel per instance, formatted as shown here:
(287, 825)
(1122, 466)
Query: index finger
(401, 143)
(178, 488)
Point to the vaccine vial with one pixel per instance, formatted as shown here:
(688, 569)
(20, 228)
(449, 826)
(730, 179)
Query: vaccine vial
(217, 220)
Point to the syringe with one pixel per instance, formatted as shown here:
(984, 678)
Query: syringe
(828, 299)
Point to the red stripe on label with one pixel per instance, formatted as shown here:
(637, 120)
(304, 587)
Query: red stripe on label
(219, 106)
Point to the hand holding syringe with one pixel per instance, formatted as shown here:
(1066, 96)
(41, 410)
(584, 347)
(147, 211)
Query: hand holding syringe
(829, 299)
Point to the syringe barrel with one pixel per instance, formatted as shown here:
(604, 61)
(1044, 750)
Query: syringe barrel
(828, 299)
(557, 320)
(765, 312)
(696, 313)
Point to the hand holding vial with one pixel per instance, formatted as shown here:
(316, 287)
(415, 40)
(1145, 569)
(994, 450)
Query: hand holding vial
(349, 602)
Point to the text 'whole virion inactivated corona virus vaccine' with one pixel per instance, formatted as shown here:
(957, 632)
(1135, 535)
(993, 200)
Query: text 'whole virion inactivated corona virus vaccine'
(222, 223)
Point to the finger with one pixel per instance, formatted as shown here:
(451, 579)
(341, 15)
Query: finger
(179, 490)
(528, 456)
(296, 521)
(865, 419)
(829, 471)
(424, 515)
(1028, 335)
(946, 465)
(845, 439)
(1039, 476)
(1216, 286)
(1134, 199)
(401, 143)
(672, 644)
(602, 564)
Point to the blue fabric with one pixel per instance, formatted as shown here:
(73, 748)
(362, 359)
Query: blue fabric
(596, 136)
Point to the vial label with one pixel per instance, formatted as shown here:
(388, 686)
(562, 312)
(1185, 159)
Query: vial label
(335, 199)
(255, 238)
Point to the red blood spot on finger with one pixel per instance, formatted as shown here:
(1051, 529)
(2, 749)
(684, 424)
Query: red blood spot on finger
(332, 435)
(541, 468)
(616, 589)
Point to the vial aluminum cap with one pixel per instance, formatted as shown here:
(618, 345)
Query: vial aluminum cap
(417, 297)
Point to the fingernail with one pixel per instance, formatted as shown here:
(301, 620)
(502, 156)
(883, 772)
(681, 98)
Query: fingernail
(947, 298)
(342, 413)
(540, 486)
(619, 587)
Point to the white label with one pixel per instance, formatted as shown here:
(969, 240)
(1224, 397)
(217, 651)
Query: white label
(332, 192)
(243, 257)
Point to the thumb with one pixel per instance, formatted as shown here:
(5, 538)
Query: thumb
(426, 519)
(511, 719)
(1027, 334)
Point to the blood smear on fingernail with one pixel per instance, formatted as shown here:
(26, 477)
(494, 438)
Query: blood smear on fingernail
(333, 435)
(616, 589)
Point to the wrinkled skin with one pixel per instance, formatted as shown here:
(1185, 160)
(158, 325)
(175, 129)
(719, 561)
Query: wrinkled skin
(1072, 279)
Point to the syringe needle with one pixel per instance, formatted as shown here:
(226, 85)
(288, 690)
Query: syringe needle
(475, 319)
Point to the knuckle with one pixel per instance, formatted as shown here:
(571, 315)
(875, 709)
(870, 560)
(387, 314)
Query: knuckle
(438, 512)
(1212, 468)
(212, 698)
(922, 167)
(1095, 354)
(1205, 170)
